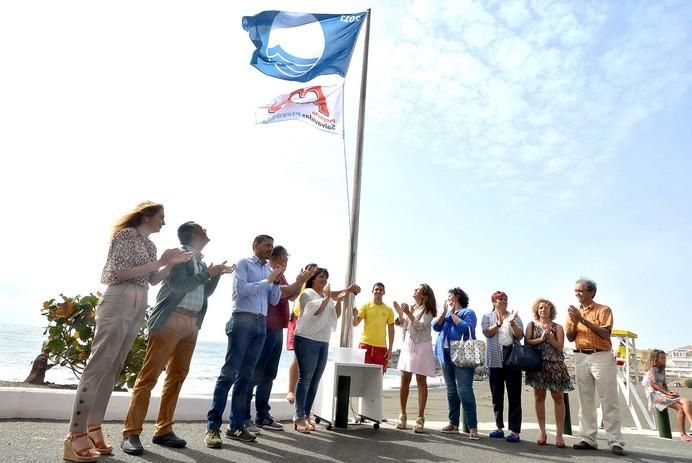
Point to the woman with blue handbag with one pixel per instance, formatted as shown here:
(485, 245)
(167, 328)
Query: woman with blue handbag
(457, 322)
(502, 329)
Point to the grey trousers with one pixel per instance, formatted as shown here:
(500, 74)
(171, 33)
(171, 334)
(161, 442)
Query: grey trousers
(119, 315)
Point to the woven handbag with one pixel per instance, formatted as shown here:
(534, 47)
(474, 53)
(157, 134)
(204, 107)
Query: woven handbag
(467, 354)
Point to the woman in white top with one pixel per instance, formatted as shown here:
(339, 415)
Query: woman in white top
(416, 355)
(316, 321)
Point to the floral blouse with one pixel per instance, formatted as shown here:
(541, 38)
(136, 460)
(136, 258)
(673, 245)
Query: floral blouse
(128, 249)
(418, 330)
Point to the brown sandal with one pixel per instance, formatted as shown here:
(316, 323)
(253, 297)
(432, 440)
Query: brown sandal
(302, 426)
(100, 445)
(83, 455)
(311, 423)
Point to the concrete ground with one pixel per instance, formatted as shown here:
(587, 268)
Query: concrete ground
(41, 441)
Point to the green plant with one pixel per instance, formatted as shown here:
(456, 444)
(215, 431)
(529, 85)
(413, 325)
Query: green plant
(688, 382)
(70, 332)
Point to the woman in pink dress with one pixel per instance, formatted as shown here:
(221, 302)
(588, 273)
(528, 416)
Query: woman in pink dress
(416, 355)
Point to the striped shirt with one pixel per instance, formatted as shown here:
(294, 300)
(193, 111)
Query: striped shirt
(493, 352)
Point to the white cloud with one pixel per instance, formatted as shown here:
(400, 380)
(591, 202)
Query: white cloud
(548, 89)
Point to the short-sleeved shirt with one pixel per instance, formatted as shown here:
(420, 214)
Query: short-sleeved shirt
(599, 315)
(277, 315)
(128, 249)
(376, 317)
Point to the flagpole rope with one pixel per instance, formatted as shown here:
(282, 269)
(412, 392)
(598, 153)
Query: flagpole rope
(348, 194)
(343, 144)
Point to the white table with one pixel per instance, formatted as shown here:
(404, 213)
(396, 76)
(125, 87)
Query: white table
(366, 386)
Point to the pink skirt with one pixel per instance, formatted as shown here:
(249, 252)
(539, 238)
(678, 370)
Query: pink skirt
(417, 358)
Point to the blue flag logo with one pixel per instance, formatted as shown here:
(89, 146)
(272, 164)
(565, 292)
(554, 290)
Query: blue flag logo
(302, 46)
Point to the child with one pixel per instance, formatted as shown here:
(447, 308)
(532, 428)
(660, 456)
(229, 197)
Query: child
(655, 383)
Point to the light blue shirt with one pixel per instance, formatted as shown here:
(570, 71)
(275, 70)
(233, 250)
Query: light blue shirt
(252, 292)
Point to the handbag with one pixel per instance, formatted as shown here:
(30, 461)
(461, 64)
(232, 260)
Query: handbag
(523, 357)
(467, 354)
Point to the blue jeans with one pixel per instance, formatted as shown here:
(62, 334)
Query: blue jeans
(459, 382)
(265, 373)
(246, 334)
(312, 358)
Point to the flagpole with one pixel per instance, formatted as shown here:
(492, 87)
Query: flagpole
(347, 316)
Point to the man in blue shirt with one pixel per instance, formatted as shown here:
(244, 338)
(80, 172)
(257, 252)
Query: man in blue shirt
(255, 286)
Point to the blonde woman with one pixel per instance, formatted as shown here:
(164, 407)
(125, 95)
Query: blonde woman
(416, 357)
(130, 267)
(549, 337)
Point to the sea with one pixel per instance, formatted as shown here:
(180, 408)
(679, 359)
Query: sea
(20, 344)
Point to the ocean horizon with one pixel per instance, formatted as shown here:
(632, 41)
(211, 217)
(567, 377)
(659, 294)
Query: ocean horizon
(20, 344)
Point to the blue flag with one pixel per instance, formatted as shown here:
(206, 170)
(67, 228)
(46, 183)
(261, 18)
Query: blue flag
(302, 46)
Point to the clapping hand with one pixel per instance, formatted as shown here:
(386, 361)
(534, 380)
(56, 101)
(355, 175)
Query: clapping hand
(405, 309)
(175, 256)
(342, 295)
(276, 272)
(326, 291)
(306, 274)
(220, 269)
(574, 314)
(397, 307)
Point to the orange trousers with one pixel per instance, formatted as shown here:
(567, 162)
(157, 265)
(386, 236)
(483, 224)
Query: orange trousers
(170, 347)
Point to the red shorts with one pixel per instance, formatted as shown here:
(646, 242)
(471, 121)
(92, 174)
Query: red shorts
(291, 332)
(375, 355)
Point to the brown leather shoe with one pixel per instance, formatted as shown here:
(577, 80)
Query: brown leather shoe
(583, 445)
(617, 450)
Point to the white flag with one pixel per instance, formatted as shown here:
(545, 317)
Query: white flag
(318, 105)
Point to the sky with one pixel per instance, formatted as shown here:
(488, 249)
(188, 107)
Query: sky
(514, 145)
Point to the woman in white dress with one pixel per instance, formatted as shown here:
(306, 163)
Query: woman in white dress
(416, 356)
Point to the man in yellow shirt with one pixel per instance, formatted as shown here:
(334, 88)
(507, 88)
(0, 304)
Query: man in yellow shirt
(379, 321)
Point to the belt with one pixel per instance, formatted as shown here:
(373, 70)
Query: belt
(588, 351)
(186, 312)
(239, 313)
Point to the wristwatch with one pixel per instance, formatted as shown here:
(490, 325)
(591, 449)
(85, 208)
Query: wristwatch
(276, 282)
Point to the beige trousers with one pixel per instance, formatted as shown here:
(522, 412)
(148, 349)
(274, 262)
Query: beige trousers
(170, 347)
(597, 374)
(119, 315)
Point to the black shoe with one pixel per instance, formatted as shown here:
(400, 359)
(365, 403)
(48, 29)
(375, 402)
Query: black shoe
(169, 440)
(583, 445)
(132, 445)
(617, 450)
